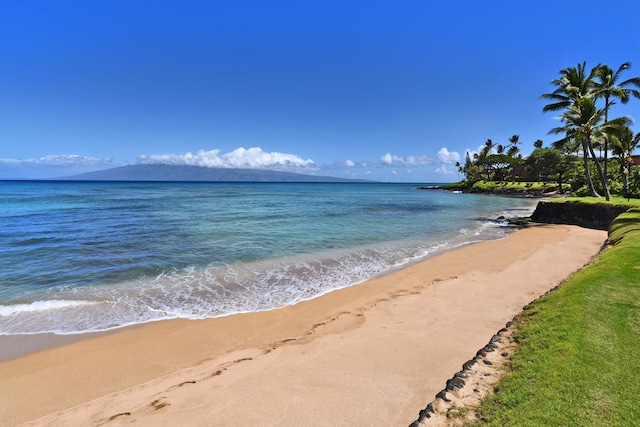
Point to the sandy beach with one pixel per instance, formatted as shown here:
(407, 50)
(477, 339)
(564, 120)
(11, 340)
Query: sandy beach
(370, 355)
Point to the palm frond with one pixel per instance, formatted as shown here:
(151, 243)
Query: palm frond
(557, 130)
(620, 121)
(556, 106)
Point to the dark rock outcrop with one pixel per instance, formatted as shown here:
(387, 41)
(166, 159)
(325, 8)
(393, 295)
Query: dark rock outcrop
(589, 215)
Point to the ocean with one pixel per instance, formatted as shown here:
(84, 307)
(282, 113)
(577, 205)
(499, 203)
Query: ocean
(81, 257)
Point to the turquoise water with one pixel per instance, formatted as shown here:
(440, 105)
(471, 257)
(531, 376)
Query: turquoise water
(86, 256)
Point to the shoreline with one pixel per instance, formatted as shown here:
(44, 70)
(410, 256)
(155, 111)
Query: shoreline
(431, 317)
(210, 294)
(19, 345)
(41, 341)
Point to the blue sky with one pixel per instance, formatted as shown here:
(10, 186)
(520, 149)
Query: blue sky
(382, 90)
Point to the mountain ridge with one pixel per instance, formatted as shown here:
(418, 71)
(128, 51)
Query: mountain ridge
(198, 174)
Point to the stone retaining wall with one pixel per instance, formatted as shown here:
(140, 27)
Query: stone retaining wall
(597, 215)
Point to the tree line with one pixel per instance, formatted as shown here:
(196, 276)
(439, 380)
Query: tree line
(589, 137)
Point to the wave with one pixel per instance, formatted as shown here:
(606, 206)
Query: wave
(216, 291)
(97, 284)
(37, 306)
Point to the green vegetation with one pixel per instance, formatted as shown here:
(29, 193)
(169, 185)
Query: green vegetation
(502, 187)
(577, 360)
(584, 99)
(615, 201)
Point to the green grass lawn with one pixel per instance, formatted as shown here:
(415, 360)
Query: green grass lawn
(578, 361)
(615, 200)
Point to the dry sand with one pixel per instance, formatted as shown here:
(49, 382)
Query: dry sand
(370, 355)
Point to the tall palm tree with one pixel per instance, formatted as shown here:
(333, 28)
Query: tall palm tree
(574, 83)
(624, 143)
(581, 124)
(514, 140)
(608, 87)
(489, 146)
(573, 87)
(538, 143)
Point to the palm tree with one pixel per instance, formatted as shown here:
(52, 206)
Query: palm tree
(574, 94)
(607, 87)
(624, 143)
(500, 149)
(513, 151)
(574, 83)
(581, 124)
(488, 146)
(514, 141)
(538, 143)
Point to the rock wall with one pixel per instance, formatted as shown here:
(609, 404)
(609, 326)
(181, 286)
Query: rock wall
(589, 215)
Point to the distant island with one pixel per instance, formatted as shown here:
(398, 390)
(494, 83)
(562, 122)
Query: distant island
(198, 173)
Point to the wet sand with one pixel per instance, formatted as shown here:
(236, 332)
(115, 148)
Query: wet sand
(373, 354)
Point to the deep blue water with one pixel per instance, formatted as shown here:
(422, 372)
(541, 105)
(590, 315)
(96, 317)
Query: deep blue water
(86, 256)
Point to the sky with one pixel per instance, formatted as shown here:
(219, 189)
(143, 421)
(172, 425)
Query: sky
(382, 90)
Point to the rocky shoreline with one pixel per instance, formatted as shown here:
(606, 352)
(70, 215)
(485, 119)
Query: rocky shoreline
(453, 405)
(498, 191)
(597, 216)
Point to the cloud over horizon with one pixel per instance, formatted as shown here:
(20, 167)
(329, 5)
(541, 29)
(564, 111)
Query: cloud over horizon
(51, 166)
(389, 160)
(444, 158)
(448, 157)
(57, 160)
(251, 158)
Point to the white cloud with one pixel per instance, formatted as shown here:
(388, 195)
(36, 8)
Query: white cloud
(10, 162)
(349, 163)
(448, 157)
(443, 169)
(62, 160)
(252, 158)
(418, 160)
(389, 159)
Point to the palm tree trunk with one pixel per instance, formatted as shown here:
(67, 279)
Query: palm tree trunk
(605, 178)
(626, 184)
(625, 169)
(560, 182)
(587, 171)
(605, 186)
(605, 182)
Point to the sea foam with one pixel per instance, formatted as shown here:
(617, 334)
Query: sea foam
(10, 310)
